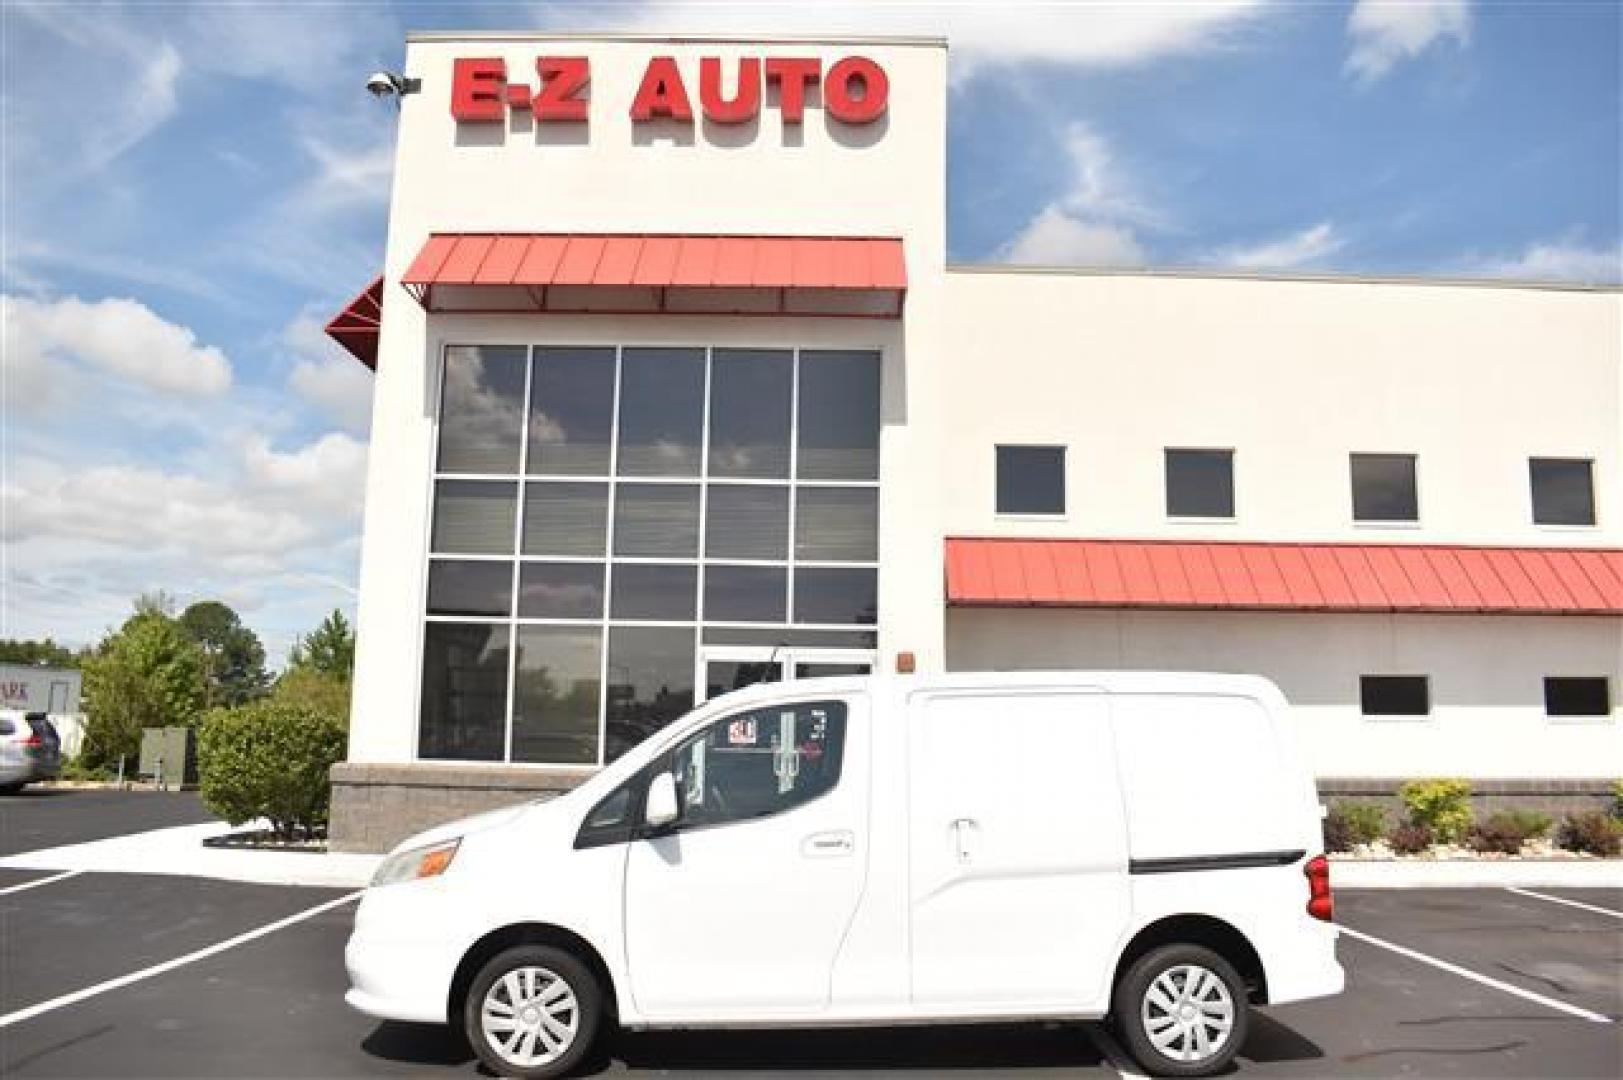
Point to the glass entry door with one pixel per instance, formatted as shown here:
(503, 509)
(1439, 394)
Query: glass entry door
(733, 667)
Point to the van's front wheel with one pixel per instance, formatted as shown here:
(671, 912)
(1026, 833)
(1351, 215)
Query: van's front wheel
(532, 1012)
(1181, 1010)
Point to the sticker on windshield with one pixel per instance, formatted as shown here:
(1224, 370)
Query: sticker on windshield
(741, 732)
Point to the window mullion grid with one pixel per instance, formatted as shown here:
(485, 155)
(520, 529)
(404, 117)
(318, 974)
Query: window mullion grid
(794, 480)
(518, 533)
(704, 503)
(608, 561)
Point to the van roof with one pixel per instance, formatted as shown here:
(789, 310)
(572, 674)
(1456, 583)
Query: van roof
(1121, 682)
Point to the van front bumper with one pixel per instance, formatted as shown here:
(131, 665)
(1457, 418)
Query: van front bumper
(396, 976)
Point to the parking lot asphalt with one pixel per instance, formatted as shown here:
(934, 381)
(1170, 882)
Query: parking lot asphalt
(272, 1007)
(42, 817)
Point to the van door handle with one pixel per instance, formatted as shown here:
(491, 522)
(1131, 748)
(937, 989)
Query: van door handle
(963, 837)
(829, 845)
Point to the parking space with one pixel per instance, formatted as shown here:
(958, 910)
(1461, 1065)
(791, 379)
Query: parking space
(42, 817)
(273, 1006)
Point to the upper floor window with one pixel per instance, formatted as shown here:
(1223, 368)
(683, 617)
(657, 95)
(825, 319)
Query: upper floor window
(1383, 487)
(1563, 491)
(1200, 483)
(1031, 479)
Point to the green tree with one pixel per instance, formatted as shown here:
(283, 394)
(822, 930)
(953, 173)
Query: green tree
(147, 674)
(329, 648)
(233, 659)
(307, 688)
(17, 651)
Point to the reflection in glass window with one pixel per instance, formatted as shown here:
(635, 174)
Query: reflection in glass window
(1200, 483)
(482, 409)
(837, 524)
(566, 519)
(1383, 487)
(555, 694)
(830, 595)
(560, 590)
(654, 593)
(469, 588)
(650, 683)
(571, 411)
(656, 520)
(661, 411)
(1563, 491)
(839, 416)
(474, 517)
(746, 522)
(749, 412)
(745, 593)
(464, 692)
(760, 762)
(1030, 480)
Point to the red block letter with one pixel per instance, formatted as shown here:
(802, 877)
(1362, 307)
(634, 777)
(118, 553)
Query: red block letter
(746, 102)
(844, 78)
(563, 84)
(661, 93)
(792, 75)
(477, 89)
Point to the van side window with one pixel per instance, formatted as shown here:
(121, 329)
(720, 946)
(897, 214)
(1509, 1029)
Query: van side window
(613, 819)
(763, 761)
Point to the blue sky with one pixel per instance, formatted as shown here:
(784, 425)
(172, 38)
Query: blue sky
(191, 189)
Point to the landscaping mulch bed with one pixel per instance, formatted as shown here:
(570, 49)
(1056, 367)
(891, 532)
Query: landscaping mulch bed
(267, 840)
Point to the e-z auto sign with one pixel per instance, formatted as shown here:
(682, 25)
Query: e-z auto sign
(854, 89)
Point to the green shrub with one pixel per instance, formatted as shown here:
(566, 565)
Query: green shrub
(1410, 838)
(1617, 799)
(1593, 832)
(270, 759)
(1507, 831)
(78, 767)
(1444, 806)
(1349, 824)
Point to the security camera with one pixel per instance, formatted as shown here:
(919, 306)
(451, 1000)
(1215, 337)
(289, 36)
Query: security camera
(381, 84)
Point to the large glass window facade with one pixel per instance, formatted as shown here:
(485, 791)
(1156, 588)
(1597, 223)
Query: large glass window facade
(600, 515)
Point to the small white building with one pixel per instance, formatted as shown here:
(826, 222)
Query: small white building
(676, 390)
(55, 691)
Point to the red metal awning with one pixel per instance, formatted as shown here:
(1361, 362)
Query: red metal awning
(1419, 578)
(660, 274)
(356, 326)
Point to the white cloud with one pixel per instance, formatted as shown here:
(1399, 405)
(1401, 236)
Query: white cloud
(121, 337)
(1301, 248)
(326, 376)
(1092, 222)
(1555, 261)
(1016, 31)
(1386, 32)
(1055, 238)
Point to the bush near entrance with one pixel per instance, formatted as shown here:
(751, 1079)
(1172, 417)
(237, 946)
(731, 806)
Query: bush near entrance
(1442, 806)
(270, 759)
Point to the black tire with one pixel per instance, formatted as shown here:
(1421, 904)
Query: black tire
(13, 788)
(1128, 1009)
(588, 1010)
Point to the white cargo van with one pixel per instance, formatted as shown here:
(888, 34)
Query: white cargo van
(882, 850)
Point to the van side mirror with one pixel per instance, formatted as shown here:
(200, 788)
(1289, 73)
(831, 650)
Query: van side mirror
(661, 808)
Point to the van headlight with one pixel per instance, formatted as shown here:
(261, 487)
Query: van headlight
(429, 861)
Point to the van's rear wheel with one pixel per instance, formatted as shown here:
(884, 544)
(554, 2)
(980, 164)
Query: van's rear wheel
(532, 1012)
(1181, 1010)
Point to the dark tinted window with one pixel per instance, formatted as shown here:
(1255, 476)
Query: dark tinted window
(566, 519)
(745, 593)
(464, 692)
(836, 595)
(560, 590)
(571, 411)
(661, 411)
(656, 520)
(650, 683)
(469, 588)
(555, 693)
(746, 522)
(1031, 480)
(1394, 695)
(749, 413)
(836, 524)
(482, 409)
(654, 592)
(1577, 696)
(785, 636)
(1383, 488)
(1563, 491)
(760, 762)
(839, 416)
(1200, 483)
(474, 517)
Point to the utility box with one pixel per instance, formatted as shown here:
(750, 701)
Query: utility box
(169, 756)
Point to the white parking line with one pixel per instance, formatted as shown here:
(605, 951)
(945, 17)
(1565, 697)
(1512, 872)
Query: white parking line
(37, 882)
(169, 965)
(1464, 973)
(1112, 1052)
(1569, 903)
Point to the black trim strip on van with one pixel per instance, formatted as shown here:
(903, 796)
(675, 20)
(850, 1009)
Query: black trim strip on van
(1241, 861)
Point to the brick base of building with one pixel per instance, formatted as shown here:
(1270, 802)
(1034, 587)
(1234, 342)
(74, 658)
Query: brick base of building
(374, 807)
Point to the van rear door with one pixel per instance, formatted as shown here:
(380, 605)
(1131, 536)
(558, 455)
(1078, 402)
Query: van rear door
(1018, 866)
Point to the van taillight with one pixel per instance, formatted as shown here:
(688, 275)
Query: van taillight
(1320, 905)
(34, 740)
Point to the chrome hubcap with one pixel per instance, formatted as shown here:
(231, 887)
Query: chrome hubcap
(530, 1016)
(1188, 1013)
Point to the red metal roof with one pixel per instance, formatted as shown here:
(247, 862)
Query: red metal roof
(1284, 577)
(356, 326)
(525, 266)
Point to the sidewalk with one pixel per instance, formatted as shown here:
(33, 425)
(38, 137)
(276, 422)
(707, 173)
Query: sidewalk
(1476, 873)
